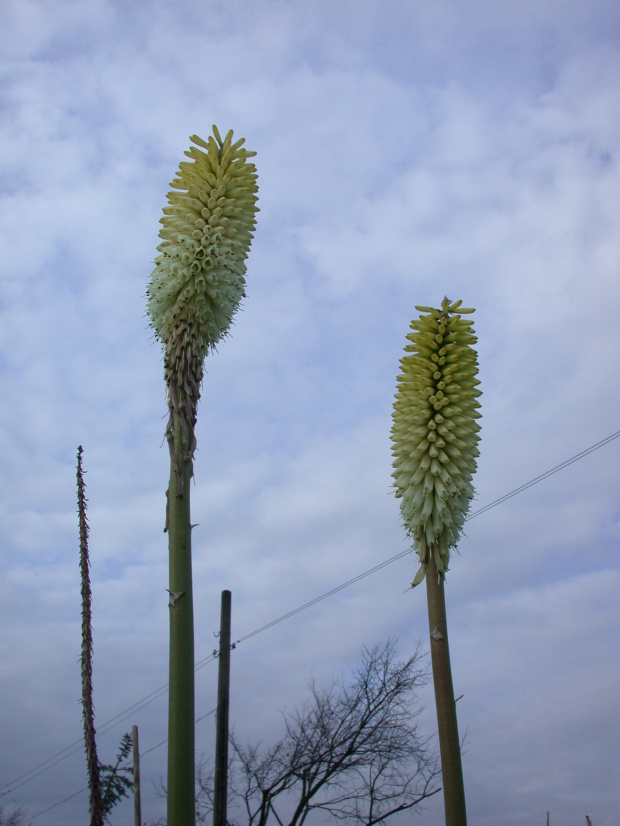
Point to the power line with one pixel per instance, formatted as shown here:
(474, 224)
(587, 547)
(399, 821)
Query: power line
(396, 557)
(140, 704)
(324, 596)
(126, 767)
(545, 475)
(26, 777)
(60, 802)
(71, 749)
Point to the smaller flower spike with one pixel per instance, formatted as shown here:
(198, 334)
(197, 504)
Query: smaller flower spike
(435, 431)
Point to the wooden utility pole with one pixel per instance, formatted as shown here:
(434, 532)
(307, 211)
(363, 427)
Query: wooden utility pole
(136, 777)
(221, 724)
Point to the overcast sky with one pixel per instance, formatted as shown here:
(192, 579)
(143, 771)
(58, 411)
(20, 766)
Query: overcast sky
(406, 151)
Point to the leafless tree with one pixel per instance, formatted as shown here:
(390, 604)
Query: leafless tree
(353, 751)
(17, 817)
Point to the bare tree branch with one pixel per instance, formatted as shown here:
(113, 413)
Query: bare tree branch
(353, 751)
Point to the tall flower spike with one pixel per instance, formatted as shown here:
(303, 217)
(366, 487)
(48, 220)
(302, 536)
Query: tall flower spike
(435, 431)
(199, 276)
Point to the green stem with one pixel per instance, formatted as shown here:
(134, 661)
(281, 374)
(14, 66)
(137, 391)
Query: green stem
(449, 744)
(181, 794)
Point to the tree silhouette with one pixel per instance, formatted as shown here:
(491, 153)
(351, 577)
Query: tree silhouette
(353, 751)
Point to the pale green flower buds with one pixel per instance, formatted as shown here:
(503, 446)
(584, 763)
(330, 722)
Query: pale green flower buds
(199, 277)
(435, 431)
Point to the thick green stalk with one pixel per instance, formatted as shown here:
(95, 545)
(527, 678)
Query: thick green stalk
(181, 794)
(449, 744)
(195, 290)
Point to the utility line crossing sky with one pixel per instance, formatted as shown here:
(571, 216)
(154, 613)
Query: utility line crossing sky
(154, 695)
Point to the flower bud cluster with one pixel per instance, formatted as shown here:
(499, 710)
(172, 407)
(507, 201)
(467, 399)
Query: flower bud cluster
(199, 276)
(435, 430)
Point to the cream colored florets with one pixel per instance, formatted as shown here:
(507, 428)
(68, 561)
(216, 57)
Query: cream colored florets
(199, 276)
(435, 430)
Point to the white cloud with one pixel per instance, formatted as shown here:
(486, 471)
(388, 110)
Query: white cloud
(403, 154)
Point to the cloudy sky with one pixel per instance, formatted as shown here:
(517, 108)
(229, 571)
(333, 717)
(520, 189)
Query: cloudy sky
(406, 150)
